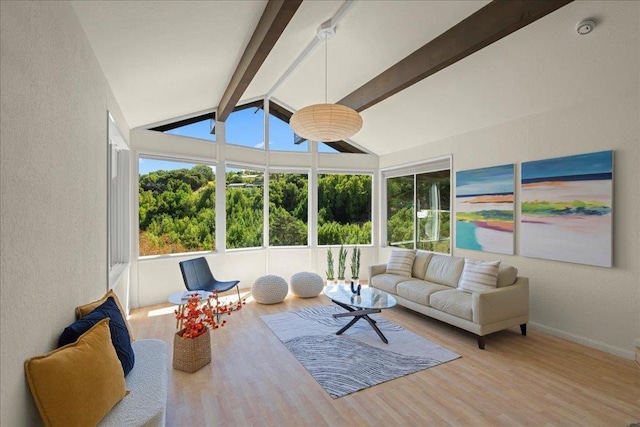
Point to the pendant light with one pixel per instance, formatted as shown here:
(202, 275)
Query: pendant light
(326, 122)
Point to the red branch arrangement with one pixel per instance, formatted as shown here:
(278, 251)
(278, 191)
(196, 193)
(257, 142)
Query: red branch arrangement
(197, 315)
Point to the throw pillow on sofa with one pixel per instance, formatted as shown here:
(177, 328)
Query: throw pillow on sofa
(479, 275)
(401, 262)
(78, 384)
(117, 326)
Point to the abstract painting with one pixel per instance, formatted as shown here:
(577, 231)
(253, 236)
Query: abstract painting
(567, 209)
(484, 209)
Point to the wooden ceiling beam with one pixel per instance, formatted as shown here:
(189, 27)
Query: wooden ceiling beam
(274, 20)
(489, 24)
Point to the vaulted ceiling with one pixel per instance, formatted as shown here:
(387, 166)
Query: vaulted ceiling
(166, 60)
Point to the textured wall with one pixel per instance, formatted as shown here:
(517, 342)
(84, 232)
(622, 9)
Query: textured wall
(53, 186)
(596, 306)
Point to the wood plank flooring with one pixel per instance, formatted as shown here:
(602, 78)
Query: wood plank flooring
(537, 380)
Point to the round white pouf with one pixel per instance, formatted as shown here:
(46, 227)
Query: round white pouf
(269, 289)
(306, 284)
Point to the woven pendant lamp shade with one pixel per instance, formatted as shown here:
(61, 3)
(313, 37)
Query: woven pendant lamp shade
(326, 122)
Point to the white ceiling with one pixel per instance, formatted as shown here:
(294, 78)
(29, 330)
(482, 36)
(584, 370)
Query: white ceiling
(169, 59)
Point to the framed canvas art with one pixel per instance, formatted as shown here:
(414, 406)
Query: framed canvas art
(567, 209)
(484, 209)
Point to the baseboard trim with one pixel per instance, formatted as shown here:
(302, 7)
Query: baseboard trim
(637, 342)
(616, 351)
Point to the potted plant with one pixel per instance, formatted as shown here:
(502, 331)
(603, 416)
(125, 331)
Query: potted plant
(192, 343)
(342, 263)
(355, 265)
(330, 272)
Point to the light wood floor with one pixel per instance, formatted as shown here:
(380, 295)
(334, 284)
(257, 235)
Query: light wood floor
(537, 380)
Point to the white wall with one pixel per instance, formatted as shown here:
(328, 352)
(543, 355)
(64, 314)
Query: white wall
(595, 306)
(157, 278)
(54, 102)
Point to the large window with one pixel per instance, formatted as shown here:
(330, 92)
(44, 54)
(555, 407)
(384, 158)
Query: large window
(281, 136)
(326, 148)
(418, 214)
(245, 126)
(176, 207)
(245, 207)
(194, 127)
(288, 209)
(118, 183)
(344, 209)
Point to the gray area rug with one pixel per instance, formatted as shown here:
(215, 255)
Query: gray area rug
(357, 359)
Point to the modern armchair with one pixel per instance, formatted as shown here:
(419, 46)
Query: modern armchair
(197, 276)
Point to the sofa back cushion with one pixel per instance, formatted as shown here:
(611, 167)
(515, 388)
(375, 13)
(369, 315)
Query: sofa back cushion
(507, 275)
(420, 264)
(444, 270)
(401, 262)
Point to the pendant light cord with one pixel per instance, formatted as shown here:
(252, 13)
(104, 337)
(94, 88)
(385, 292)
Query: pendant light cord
(326, 60)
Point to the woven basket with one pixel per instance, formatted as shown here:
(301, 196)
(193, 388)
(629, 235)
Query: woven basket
(191, 354)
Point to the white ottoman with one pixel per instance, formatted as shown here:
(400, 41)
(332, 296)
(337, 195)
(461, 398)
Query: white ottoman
(269, 289)
(306, 284)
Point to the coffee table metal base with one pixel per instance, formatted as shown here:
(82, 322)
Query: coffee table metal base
(359, 313)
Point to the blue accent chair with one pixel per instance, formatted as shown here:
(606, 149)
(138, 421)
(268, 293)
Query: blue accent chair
(198, 277)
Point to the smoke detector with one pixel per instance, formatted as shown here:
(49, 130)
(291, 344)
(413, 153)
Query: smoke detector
(585, 27)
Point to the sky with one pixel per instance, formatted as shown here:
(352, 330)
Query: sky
(245, 128)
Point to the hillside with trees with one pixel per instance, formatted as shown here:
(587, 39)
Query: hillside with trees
(177, 210)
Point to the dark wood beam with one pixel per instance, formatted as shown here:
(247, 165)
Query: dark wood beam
(184, 122)
(274, 20)
(489, 24)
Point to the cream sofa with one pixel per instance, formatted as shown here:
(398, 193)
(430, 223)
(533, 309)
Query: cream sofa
(433, 290)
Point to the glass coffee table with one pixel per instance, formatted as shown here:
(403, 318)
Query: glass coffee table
(370, 300)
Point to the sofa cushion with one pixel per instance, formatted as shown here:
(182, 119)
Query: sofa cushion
(419, 291)
(479, 275)
(444, 270)
(401, 262)
(454, 302)
(507, 275)
(420, 264)
(78, 384)
(386, 282)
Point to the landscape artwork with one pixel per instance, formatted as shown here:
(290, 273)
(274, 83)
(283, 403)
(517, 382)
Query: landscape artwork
(567, 209)
(484, 209)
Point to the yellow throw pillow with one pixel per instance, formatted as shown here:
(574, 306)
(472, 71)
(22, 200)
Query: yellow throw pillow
(83, 310)
(78, 384)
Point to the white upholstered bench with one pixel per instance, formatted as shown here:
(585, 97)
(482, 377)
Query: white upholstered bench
(146, 403)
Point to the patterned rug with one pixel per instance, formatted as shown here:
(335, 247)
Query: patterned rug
(357, 359)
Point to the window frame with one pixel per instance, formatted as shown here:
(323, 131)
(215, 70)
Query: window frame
(118, 204)
(437, 164)
(337, 171)
(266, 104)
(265, 203)
(301, 171)
(170, 158)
